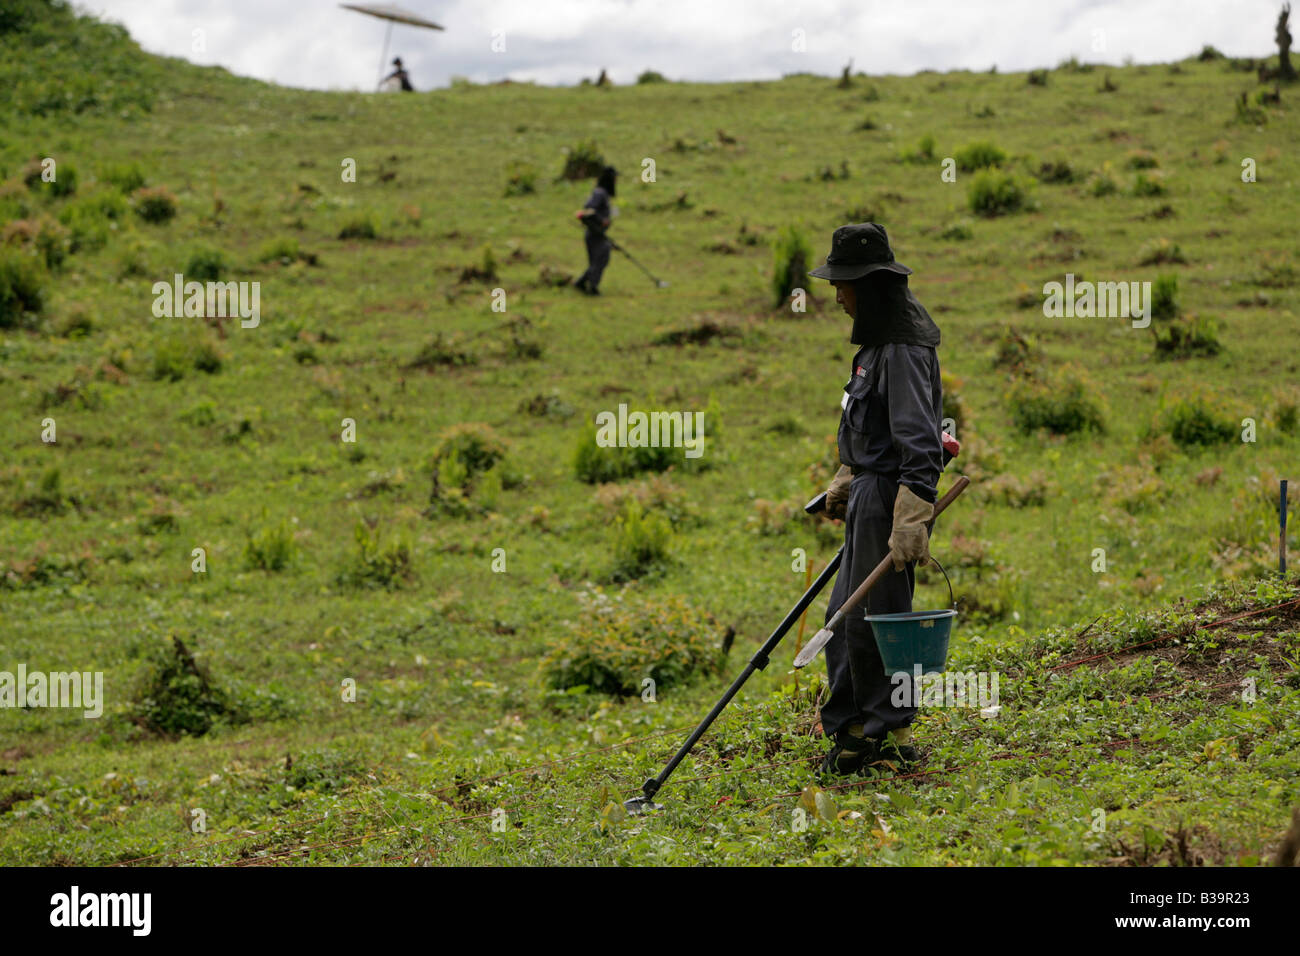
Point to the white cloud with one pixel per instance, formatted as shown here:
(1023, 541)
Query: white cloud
(323, 46)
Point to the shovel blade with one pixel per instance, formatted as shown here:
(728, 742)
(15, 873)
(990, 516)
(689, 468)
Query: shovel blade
(813, 648)
(638, 805)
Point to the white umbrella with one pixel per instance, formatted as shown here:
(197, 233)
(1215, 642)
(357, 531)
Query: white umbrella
(393, 14)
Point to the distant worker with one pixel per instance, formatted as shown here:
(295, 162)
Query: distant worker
(596, 215)
(398, 79)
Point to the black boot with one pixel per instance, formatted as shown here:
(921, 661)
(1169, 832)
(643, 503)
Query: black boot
(897, 747)
(849, 755)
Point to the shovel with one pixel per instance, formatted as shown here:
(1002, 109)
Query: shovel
(819, 640)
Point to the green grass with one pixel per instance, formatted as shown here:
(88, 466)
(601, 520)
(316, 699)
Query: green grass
(441, 616)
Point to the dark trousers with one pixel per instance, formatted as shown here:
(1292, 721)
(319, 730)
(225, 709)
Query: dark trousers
(860, 689)
(598, 248)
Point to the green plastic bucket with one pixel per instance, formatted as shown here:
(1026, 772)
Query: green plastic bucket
(911, 638)
(915, 637)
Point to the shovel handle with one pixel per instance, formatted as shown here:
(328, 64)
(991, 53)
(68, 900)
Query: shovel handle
(887, 563)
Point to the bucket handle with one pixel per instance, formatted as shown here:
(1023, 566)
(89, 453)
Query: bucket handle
(952, 600)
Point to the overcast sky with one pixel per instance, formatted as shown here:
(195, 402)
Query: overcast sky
(312, 43)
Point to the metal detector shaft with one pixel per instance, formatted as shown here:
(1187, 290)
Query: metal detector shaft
(756, 663)
(655, 279)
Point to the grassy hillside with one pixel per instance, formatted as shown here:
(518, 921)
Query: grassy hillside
(373, 561)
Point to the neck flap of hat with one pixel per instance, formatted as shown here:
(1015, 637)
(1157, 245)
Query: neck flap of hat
(888, 314)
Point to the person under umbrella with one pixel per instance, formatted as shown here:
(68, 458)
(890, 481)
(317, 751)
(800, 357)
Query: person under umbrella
(399, 77)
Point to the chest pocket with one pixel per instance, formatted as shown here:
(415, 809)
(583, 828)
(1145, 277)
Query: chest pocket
(857, 399)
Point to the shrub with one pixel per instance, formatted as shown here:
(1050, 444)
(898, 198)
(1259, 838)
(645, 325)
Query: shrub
(547, 405)
(359, 227)
(791, 259)
(1030, 492)
(614, 645)
(1057, 171)
(1164, 297)
(1188, 336)
(207, 357)
(1063, 407)
(1209, 53)
(1015, 352)
(485, 270)
(176, 696)
(465, 453)
(953, 406)
(44, 569)
(205, 264)
(1193, 420)
(923, 153)
(1134, 488)
(47, 498)
(21, 288)
(441, 353)
(1102, 183)
(1141, 159)
(64, 182)
(76, 324)
(1159, 252)
(651, 76)
(994, 193)
(47, 238)
(1249, 114)
(655, 494)
(283, 249)
(477, 444)
(154, 204)
(521, 179)
(126, 178)
(204, 413)
(1277, 275)
(641, 542)
(271, 547)
(53, 243)
(92, 219)
(594, 463)
(171, 360)
(1153, 185)
(1286, 411)
(582, 161)
(979, 155)
(957, 232)
(1037, 78)
(375, 564)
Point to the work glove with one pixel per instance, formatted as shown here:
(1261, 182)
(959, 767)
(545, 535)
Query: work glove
(909, 540)
(837, 495)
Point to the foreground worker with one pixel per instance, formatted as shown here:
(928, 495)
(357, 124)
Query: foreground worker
(891, 454)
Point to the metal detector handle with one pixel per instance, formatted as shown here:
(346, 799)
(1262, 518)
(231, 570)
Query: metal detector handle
(818, 504)
(759, 661)
(887, 563)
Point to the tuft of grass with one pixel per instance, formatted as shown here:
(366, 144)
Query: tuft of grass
(155, 205)
(792, 257)
(1066, 405)
(995, 193)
